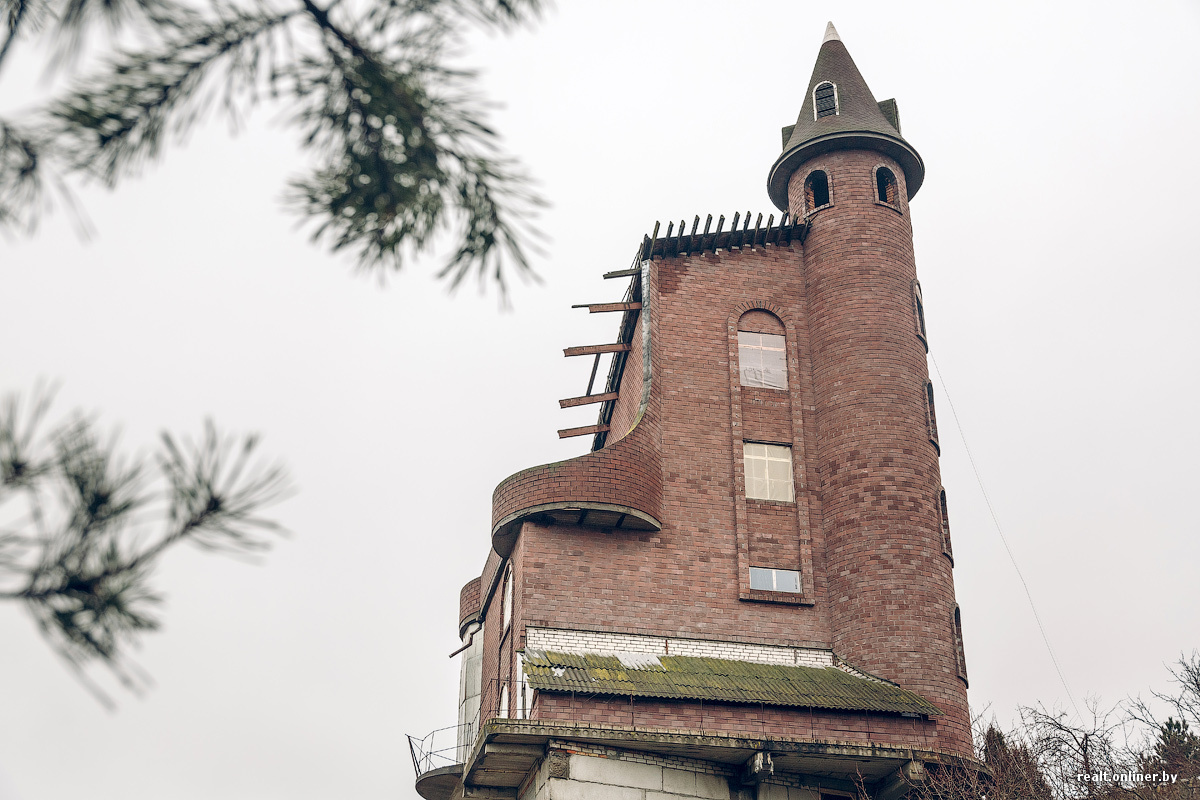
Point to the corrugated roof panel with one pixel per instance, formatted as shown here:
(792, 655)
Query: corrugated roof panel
(682, 677)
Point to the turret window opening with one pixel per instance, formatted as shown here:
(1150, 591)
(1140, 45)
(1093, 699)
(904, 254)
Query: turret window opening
(960, 653)
(825, 100)
(944, 516)
(919, 315)
(885, 186)
(816, 191)
(931, 417)
(768, 472)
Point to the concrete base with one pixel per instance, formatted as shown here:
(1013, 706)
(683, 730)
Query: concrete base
(572, 771)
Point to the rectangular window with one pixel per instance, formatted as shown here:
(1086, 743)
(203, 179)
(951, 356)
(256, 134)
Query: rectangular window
(503, 710)
(768, 472)
(774, 580)
(762, 359)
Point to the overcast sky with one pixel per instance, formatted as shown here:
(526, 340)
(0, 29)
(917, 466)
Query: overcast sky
(1055, 241)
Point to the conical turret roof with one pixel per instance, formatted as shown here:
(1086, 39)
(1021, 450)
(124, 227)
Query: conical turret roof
(859, 124)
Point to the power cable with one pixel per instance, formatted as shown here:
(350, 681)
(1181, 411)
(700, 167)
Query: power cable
(996, 520)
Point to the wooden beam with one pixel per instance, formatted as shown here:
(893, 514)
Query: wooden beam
(592, 349)
(624, 273)
(586, 399)
(596, 308)
(566, 433)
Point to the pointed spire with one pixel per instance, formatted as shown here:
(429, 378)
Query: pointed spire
(848, 118)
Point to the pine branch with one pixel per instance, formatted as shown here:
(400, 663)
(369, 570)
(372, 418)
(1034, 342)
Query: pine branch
(404, 151)
(86, 576)
(116, 120)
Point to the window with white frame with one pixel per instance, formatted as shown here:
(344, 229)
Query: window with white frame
(774, 580)
(768, 471)
(825, 100)
(503, 710)
(506, 600)
(762, 359)
(522, 688)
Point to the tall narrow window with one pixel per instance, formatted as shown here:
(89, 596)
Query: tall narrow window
(768, 472)
(522, 688)
(885, 186)
(825, 100)
(762, 360)
(960, 653)
(506, 599)
(931, 418)
(816, 190)
(919, 314)
(944, 513)
(503, 710)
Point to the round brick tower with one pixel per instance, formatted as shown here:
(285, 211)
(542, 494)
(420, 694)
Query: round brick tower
(846, 170)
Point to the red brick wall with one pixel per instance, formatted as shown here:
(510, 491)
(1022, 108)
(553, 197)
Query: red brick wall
(864, 527)
(891, 590)
(468, 601)
(630, 399)
(684, 580)
(626, 473)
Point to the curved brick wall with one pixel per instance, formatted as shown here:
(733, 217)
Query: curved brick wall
(468, 602)
(891, 589)
(627, 473)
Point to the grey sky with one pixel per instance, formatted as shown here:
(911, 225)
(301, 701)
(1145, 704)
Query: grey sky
(1054, 244)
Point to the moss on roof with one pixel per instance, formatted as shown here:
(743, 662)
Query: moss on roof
(686, 678)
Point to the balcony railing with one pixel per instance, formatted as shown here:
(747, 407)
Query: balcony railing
(452, 745)
(441, 748)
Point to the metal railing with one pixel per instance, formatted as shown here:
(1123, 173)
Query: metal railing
(439, 748)
(452, 745)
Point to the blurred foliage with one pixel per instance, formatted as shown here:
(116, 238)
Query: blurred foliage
(83, 527)
(1124, 753)
(401, 152)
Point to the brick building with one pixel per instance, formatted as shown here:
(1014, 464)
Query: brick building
(746, 589)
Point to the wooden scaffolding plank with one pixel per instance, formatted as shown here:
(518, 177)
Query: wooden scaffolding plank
(593, 349)
(624, 273)
(586, 430)
(596, 308)
(586, 399)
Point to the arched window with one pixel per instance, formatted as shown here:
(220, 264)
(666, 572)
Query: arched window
(919, 315)
(816, 190)
(931, 418)
(762, 350)
(885, 186)
(944, 515)
(960, 653)
(825, 100)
